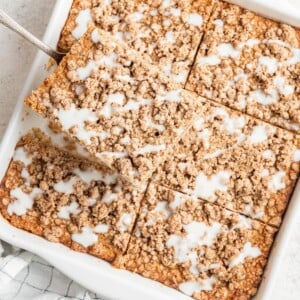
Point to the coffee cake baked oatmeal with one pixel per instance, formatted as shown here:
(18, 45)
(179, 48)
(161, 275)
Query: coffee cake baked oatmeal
(116, 103)
(201, 249)
(235, 161)
(168, 30)
(69, 200)
(251, 64)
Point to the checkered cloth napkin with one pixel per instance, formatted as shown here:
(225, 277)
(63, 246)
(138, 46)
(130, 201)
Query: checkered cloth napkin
(25, 276)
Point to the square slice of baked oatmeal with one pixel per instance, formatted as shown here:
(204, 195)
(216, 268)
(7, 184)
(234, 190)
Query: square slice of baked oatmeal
(169, 31)
(203, 250)
(251, 64)
(69, 200)
(116, 103)
(235, 161)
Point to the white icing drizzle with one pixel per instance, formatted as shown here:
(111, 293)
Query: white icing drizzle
(265, 99)
(153, 12)
(91, 174)
(296, 156)
(183, 165)
(158, 127)
(285, 89)
(170, 37)
(148, 148)
(125, 140)
(176, 12)
(214, 154)
(211, 60)
(197, 234)
(134, 105)
(162, 207)
(277, 182)
(124, 78)
(22, 202)
(108, 60)
(231, 125)
(25, 175)
(249, 212)
(116, 155)
(195, 19)
(103, 135)
(267, 62)
(178, 78)
(191, 287)
(204, 135)
(119, 36)
(174, 96)
(166, 3)
(82, 21)
(125, 222)
(65, 211)
(77, 117)
(65, 187)
(95, 36)
(22, 156)
(198, 123)
(79, 89)
(136, 16)
(268, 154)
(92, 201)
(107, 110)
(264, 173)
(259, 134)
(206, 188)
(244, 223)
(101, 228)
(178, 200)
(248, 251)
(109, 196)
(218, 23)
(86, 237)
(227, 50)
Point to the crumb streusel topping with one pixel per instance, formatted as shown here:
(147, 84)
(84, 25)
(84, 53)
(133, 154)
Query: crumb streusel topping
(251, 64)
(67, 199)
(201, 249)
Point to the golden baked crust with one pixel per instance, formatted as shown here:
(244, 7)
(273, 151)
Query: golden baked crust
(169, 31)
(251, 64)
(116, 103)
(69, 200)
(203, 250)
(235, 161)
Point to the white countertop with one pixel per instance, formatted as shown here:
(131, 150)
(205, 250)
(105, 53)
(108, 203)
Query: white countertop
(16, 56)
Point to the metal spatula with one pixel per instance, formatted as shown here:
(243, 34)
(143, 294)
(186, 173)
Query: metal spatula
(13, 25)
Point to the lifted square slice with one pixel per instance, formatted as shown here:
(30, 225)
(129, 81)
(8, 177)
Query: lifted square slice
(251, 64)
(201, 249)
(116, 103)
(169, 31)
(69, 200)
(235, 161)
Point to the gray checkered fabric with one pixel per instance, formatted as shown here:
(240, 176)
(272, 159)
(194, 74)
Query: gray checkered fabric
(25, 276)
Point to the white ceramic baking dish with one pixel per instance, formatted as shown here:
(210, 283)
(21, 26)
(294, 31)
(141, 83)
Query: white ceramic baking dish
(93, 273)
